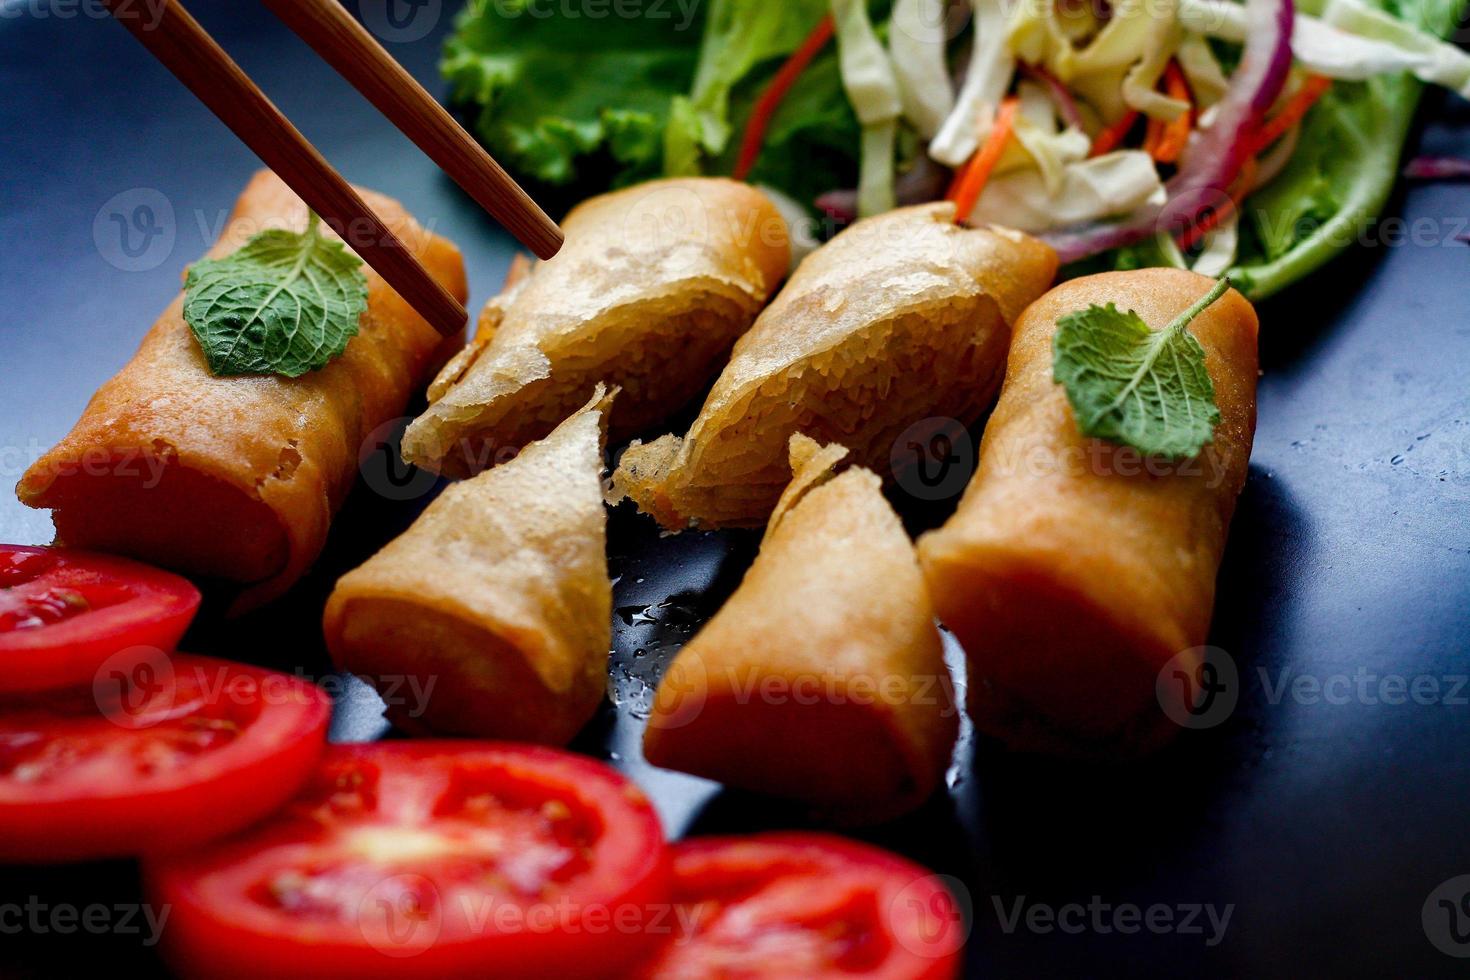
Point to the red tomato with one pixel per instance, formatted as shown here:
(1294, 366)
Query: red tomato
(163, 755)
(63, 613)
(432, 858)
(805, 905)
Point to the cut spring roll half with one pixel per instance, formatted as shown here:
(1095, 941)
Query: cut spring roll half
(654, 284)
(238, 478)
(1074, 569)
(901, 317)
(822, 679)
(496, 601)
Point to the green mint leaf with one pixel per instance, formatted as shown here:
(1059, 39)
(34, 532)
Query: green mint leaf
(285, 303)
(1139, 387)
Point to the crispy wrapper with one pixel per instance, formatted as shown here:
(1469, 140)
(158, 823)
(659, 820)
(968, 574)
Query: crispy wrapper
(901, 317)
(496, 602)
(238, 478)
(1074, 569)
(822, 679)
(652, 287)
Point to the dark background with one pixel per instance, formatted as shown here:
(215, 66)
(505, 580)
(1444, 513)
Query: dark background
(1326, 826)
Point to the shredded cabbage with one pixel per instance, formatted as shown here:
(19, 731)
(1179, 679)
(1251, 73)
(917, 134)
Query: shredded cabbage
(1350, 41)
(1443, 63)
(916, 43)
(867, 74)
(1206, 79)
(1219, 245)
(1038, 142)
(875, 190)
(872, 88)
(1099, 187)
(1134, 44)
(1141, 81)
(986, 82)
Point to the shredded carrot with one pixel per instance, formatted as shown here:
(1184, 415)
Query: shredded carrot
(770, 99)
(1153, 136)
(971, 178)
(1292, 112)
(1172, 136)
(1110, 136)
(1238, 190)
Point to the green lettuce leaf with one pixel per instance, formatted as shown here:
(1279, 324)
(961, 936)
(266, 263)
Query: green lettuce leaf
(1342, 172)
(561, 96)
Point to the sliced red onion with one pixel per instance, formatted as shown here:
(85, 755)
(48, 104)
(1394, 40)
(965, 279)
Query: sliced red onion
(1438, 168)
(1214, 158)
(924, 181)
(1060, 97)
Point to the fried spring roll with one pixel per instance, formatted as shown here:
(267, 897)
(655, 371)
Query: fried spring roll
(900, 317)
(1074, 569)
(822, 679)
(496, 601)
(238, 477)
(654, 284)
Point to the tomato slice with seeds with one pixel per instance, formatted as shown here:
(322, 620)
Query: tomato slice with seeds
(428, 858)
(805, 905)
(63, 613)
(162, 754)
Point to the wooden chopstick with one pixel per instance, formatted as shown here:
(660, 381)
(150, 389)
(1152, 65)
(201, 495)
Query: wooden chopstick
(358, 57)
(187, 50)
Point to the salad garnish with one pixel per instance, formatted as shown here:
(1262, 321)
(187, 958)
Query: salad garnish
(1252, 137)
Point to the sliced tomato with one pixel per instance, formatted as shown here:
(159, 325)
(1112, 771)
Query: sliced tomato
(431, 858)
(161, 753)
(63, 613)
(806, 905)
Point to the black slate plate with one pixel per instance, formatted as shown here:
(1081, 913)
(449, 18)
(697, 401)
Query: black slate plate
(1322, 822)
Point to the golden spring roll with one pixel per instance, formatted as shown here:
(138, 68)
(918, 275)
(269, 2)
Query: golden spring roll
(654, 284)
(496, 602)
(238, 477)
(900, 317)
(1074, 569)
(822, 679)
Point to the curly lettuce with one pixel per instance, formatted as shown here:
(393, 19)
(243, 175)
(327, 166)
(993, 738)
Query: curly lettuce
(566, 99)
(1342, 172)
(563, 97)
